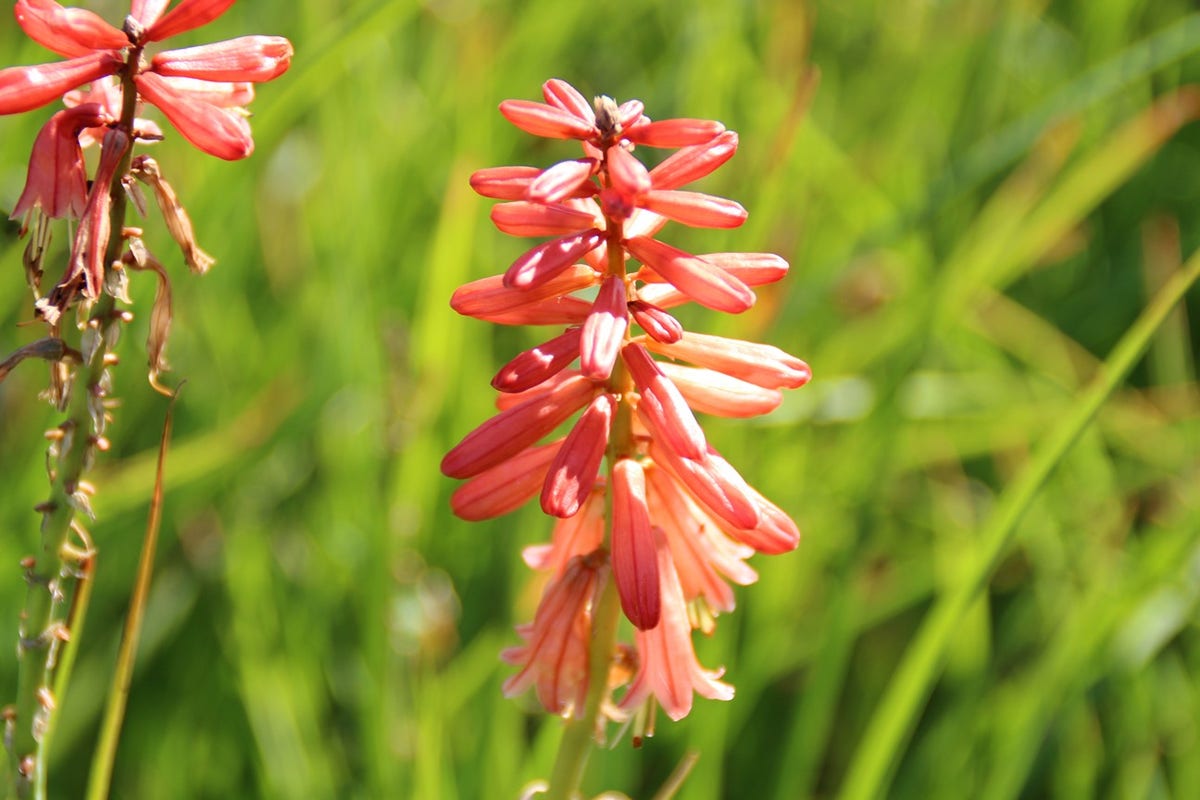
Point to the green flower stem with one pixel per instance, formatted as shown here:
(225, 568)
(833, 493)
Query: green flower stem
(43, 622)
(891, 725)
(577, 737)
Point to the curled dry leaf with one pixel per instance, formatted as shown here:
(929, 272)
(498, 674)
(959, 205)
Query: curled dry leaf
(139, 258)
(49, 348)
(146, 170)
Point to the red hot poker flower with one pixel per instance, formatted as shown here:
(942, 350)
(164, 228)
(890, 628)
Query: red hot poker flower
(682, 520)
(95, 50)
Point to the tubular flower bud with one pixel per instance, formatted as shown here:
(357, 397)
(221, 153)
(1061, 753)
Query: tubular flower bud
(96, 49)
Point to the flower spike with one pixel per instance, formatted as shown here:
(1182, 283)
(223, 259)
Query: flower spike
(681, 521)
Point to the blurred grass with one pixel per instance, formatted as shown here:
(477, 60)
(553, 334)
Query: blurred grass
(977, 200)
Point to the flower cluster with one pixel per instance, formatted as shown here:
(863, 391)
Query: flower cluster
(671, 522)
(201, 90)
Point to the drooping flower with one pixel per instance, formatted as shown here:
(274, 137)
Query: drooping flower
(209, 118)
(57, 179)
(683, 521)
(554, 657)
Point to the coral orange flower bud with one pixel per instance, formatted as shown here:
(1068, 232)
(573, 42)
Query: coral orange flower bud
(511, 431)
(505, 487)
(658, 324)
(504, 183)
(695, 162)
(708, 285)
(70, 32)
(635, 563)
(27, 88)
(538, 364)
(711, 392)
(540, 119)
(676, 132)
(546, 260)
(761, 364)
(534, 219)
(576, 467)
(562, 180)
(695, 208)
(604, 330)
(668, 668)
(186, 16)
(662, 407)
(248, 58)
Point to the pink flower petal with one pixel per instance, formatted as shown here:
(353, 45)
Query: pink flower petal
(248, 58)
(604, 330)
(186, 16)
(487, 298)
(775, 532)
(70, 32)
(511, 431)
(554, 658)
(753, 269)
(708, 285)
(719, 490)
(563, 95)
(658, 324)
(95, 228)
(573, 536)
(676, 132)
(26, 88)
(711, 392)
(695, 208)
(564, 179)
(628, 175)
(629, 114)
(546, 260)
(504, 487)
(634, 562)
(504, 183)
(544, 120)
(576, 467)
(662, 407)
(220, 132)
(57, 177)
(667, 665)
(507, 400)
(535, 219)
(147, 12)
(701, 552)
(693, 163)
(538, 364)
(223, 94)
(761, 364)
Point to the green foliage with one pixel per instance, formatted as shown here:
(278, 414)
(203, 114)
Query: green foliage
(977, 200)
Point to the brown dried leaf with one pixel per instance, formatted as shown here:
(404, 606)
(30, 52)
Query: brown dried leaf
(145, 169)
(160, 316)
(49, 348)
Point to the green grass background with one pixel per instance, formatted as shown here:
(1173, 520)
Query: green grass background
(977, 198)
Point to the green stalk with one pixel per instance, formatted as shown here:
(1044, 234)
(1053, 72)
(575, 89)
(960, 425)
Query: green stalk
(46, 603)
(577, 738)
(579, 732)
(896, 715)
